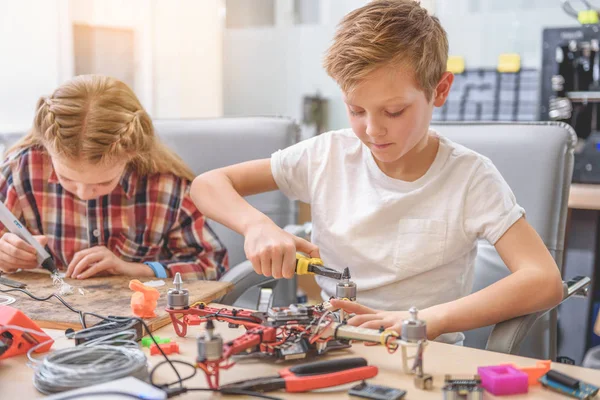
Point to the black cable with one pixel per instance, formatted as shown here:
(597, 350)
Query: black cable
(173, 383)
(237, 392)
(82, 319)
(28, 293)
(179, 381)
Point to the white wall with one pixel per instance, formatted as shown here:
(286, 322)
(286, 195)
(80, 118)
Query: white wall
(29, 58)
(480, 30)
(178, 53)
(188, 42)
(269, 69)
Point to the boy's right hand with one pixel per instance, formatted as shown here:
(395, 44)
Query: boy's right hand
(16, 253)
(272, 251)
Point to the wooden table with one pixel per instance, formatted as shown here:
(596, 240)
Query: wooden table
(440, 359)
(584, 196)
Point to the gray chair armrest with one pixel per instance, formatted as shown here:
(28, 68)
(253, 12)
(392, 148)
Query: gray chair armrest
(243, 277)
(245, 280)
(507, 336)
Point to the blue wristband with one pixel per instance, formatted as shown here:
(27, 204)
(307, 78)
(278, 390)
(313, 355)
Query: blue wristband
(158, 268)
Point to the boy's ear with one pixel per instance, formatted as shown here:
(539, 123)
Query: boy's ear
(443, 88)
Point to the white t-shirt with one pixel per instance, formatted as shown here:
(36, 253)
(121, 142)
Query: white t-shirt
(406, 243)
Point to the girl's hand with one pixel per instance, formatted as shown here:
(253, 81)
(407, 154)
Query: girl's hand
(16, 253)
(100, 260)
(374, 319)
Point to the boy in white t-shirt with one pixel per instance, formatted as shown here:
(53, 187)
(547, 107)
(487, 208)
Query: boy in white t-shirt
(400, 205)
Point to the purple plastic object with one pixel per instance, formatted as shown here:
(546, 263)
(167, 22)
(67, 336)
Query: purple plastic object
(503, 380)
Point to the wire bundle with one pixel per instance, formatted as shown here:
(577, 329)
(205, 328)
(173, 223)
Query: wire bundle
(97, 361)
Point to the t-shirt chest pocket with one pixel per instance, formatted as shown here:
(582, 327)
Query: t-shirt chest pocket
(420, 246)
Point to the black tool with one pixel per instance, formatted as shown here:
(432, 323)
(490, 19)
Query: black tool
(376, 392)
(11, 283)
(309, 266)
(307, 377)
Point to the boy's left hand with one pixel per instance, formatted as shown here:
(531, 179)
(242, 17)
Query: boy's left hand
(374, 319)
(100, 260)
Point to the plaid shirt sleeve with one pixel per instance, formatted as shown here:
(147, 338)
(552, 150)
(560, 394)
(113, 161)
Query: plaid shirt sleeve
(8, 192)
(195, 250)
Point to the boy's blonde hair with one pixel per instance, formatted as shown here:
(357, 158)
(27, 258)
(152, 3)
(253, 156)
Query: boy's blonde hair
(388, 32)
(98, 119)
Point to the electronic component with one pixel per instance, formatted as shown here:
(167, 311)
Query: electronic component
(288, 333)
(294, 350)
(177, 297)
(292, 313)
(567, 385)
(376, 392)
(346, 289)
(210, 346)
(112, 325)
(459, 389)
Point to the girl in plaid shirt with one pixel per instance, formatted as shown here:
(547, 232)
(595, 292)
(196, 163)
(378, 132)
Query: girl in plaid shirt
(93, 183)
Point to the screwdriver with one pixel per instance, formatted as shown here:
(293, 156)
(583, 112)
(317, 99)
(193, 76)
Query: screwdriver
(314, 266)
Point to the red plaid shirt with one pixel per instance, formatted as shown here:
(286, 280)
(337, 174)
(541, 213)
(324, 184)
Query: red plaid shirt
(145, 218)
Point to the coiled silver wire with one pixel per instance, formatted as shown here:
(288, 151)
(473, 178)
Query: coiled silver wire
(101, 360)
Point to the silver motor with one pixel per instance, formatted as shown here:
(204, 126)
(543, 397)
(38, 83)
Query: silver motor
(177, 297)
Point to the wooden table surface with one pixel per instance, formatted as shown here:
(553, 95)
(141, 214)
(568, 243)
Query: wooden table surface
(584, 196)
(440, 359)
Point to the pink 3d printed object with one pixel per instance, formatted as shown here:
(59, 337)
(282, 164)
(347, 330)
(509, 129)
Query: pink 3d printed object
(503, 380)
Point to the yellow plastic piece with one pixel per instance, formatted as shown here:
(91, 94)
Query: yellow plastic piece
(303, 262)
(456, 64)
(509, 62)
(588, 17)
(385, 334)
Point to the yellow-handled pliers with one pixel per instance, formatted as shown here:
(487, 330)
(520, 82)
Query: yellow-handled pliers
(309, 266)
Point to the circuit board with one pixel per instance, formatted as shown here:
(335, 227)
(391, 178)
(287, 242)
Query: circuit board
(584, 391)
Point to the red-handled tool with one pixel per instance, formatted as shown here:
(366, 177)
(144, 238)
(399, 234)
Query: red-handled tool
(307, 377)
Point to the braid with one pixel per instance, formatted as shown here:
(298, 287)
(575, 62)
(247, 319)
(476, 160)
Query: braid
(130, 138)
(45, 121)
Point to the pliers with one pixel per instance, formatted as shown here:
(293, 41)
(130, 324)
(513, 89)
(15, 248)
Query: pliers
(309, 266)
(307, 377)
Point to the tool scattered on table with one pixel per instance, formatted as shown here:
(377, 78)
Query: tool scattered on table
(376, 392)
(561, 383)
(314, 266)
(502, 380)
(11, 282)
(18, 334)
(462, 388)
(144, 300)
(307, 377)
